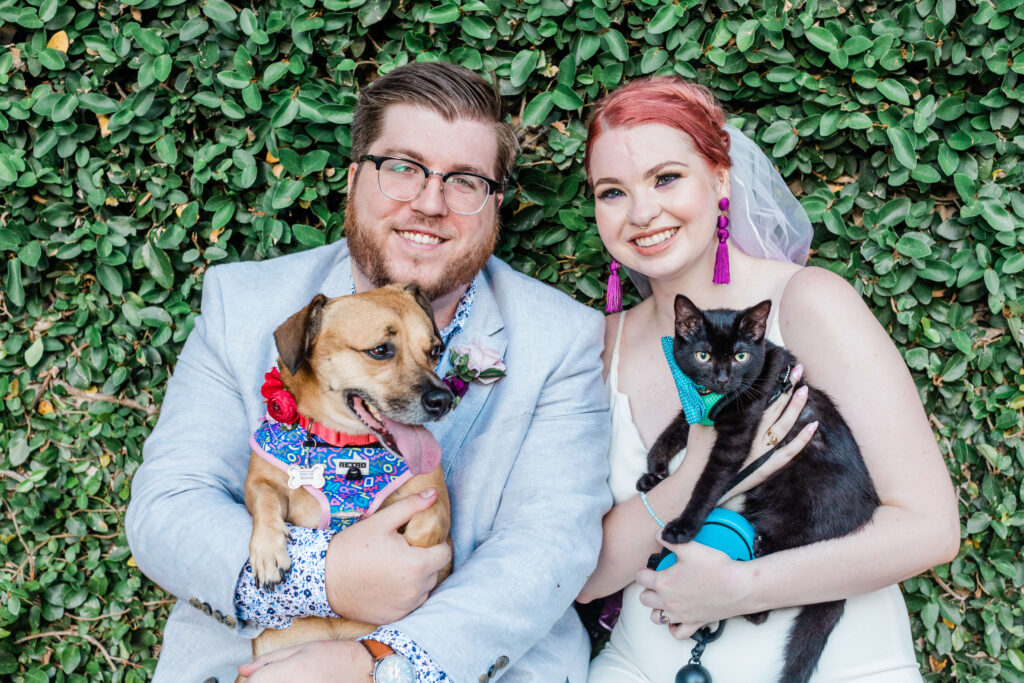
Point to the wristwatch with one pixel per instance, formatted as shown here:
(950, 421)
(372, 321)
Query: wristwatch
(388, 665)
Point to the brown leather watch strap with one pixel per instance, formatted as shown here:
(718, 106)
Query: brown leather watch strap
(377, 649)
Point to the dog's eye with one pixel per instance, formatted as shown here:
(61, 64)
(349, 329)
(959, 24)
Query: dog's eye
(436, 351)
(741, 357)
(703, 356)
(382, 352)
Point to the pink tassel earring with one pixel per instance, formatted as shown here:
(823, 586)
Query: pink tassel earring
(613, 299)
(722, 255)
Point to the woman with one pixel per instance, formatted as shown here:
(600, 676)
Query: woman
(660, 161)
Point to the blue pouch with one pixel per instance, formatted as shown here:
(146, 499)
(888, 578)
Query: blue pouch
(723, 530)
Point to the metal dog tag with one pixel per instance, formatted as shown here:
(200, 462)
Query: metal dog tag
(306, 476)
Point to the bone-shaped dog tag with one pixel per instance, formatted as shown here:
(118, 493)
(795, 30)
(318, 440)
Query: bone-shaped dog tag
(306, 476)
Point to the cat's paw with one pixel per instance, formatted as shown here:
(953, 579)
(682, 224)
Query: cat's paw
(268, 555)
(648, 482)
(680, 531)
(758, 618)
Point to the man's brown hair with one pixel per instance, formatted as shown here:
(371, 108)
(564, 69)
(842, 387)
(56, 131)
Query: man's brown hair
(451, 90)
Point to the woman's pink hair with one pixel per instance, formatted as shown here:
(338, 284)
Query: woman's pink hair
(668, 100)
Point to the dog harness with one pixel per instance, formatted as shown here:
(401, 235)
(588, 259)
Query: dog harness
(349, 482)
(697, 401)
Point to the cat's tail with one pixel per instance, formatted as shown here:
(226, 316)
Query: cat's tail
(811, 630)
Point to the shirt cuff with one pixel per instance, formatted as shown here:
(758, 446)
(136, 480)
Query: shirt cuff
(303, 593)
(427, 670)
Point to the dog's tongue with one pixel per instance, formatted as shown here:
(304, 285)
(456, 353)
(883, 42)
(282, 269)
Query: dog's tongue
(417, 445)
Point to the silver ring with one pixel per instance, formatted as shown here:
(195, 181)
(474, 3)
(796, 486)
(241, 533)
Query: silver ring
(662, 619)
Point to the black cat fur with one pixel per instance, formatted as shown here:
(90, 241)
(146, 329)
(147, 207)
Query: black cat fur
(824, 492)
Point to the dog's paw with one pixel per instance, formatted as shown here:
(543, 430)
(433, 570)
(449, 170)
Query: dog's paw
(268, 555)
(648, 482)
(680, 531)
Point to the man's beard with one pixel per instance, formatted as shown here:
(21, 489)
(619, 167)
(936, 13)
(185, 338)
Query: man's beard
(368, 252)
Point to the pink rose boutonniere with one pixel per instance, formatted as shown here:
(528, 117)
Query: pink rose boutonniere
(470, 362)
(280, 402)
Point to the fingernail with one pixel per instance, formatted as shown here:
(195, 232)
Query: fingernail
(813, 427)
(797, 373)
(802, 391)
(428, 493)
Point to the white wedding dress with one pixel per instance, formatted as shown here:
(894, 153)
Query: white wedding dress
(872, 642)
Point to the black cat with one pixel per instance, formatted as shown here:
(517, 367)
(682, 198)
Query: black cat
(823, 493)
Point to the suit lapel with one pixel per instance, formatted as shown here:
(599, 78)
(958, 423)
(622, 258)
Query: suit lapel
(486, 326)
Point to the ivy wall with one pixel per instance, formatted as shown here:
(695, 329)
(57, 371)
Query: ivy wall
(142, 140)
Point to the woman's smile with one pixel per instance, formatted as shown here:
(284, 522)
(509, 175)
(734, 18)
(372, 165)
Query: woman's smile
(652, 243)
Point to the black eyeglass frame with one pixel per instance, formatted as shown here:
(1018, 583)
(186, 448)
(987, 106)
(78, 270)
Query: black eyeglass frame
(493, 186)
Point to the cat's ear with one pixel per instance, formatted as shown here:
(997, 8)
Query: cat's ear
(688, 316)
(754, 320)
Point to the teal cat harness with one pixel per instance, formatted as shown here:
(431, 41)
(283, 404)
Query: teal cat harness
(697, 401)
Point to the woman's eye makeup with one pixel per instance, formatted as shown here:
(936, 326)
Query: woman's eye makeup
(664, 179)
(610, 193)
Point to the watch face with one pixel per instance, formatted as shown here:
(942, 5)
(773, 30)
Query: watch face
(394, 669)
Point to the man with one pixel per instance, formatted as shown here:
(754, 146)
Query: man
(524, 457)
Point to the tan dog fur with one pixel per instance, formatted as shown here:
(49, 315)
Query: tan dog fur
(324, 353)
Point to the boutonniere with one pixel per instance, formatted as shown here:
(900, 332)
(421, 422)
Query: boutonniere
(280, 402)
(470, 362)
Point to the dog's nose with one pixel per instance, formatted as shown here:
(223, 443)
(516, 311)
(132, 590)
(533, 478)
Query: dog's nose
(437, 402)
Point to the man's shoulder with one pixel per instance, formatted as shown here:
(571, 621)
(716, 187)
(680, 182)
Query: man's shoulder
(280, 272)
(517, 293)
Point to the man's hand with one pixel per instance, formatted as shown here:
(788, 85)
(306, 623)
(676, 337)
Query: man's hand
(327, 661)
(373, 574)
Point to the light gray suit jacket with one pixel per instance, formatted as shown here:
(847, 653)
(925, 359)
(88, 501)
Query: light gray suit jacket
(524, 458)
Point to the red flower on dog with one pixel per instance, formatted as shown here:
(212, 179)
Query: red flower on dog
(280, 402)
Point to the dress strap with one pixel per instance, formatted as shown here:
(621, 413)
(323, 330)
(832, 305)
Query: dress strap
(613, 371)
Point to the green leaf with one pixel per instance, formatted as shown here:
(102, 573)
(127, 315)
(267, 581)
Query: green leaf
(286, 192)
(34, 353)
(158, 264)
(565, 98)
(538, 109)
(665, 19)
(477, 28)
(893, 90)
(232, 79)
(308, 235)
(64, 107)
(373, 11)
(219, 10)
(444, 13)
(745, 34)
(522, 66)
(1014, 264)
(913, 245)
(902, 146)
(822, 39)
(996, 216)
(616, 44)
(148, 40)
(110, 279)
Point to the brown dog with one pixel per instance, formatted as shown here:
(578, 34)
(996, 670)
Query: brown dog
(359, 364)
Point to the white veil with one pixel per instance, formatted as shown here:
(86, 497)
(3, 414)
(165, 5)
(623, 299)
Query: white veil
(765, 219)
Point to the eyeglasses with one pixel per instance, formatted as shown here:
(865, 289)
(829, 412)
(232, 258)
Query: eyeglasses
(403, 179)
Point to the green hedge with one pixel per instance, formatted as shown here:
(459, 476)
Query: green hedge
(141, 141)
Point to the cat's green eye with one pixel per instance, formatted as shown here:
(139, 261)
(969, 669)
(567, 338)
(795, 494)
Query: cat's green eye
(742, 356)
(703, 356)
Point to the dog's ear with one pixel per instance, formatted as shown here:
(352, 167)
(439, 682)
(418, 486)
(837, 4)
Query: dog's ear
(425, 304)
(295, 335)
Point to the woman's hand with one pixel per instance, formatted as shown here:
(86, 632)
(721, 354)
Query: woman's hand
(776, 422)
(702, 587)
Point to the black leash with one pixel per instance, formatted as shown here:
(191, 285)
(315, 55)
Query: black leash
(694, 672)
(782, 385)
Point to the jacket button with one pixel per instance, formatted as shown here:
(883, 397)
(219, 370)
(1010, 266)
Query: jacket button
(502, 662)
(195, 603)
(207, 610)
(219, 616)
(211, 679)
(483, 678)
(230, 622)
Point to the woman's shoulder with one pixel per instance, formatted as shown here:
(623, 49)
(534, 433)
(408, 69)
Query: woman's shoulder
(814, 292)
